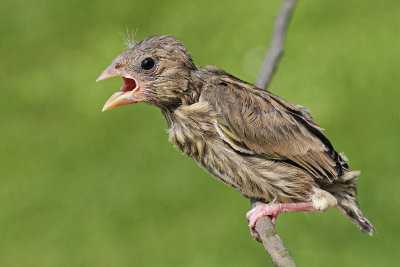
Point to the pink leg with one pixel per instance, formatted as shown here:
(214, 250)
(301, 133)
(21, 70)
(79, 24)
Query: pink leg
(273, 210)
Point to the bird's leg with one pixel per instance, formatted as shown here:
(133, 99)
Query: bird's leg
(272, 210)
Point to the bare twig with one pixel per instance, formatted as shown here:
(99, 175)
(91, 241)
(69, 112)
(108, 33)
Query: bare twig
(272, 242)
(276, 46)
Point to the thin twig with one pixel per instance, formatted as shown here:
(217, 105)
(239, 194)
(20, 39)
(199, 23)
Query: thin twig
(276, 46)
(272, 242)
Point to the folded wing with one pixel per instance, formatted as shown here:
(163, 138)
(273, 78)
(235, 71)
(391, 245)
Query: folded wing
(253, 121)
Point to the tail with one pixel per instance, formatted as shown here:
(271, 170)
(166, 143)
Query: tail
(349, 207)
(347, 204)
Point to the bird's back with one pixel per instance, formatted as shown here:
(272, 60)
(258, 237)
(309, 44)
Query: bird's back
(255, 121)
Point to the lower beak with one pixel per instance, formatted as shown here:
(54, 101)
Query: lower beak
(119, 99)
(127, 93)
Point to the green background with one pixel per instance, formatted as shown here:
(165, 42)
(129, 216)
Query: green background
(83, 188)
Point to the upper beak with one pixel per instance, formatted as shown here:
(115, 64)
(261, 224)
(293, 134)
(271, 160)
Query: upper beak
(111, 71)
(126, 94)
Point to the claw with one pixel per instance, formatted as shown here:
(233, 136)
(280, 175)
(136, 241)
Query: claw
(272, 210)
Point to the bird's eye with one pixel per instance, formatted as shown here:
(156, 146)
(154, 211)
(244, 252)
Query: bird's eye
(147, 63)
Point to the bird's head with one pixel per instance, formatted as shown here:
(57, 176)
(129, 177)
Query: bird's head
(156, 70)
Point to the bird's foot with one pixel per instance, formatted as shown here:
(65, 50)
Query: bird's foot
(272, 210)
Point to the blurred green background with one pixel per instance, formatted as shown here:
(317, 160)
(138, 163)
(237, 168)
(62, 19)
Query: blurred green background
(83, 188)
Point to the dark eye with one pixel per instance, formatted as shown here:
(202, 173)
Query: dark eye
(147, 63)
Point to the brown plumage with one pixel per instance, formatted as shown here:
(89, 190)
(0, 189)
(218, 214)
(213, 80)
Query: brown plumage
(262, 145)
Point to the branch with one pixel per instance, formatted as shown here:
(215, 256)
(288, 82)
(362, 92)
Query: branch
(276, 46)
(272, 242)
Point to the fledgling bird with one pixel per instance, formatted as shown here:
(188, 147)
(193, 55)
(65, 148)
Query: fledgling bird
(265, 147)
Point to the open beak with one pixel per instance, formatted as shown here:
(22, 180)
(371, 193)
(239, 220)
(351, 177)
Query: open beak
(126, 95)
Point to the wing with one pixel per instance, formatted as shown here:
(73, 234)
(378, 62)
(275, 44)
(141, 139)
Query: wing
(254, 121)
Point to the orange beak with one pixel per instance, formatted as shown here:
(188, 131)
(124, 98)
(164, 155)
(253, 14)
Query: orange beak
(127, 94)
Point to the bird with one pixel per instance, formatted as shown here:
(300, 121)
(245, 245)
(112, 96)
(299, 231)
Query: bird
(267, 148)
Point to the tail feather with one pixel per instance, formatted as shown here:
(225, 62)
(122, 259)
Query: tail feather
(349, 207)
(345, 191)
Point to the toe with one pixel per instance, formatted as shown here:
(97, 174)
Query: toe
(255, 235)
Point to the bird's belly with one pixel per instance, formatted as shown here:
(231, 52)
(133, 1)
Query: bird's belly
(230, 168)
(250, 175)
(224, 164)
(208, 151)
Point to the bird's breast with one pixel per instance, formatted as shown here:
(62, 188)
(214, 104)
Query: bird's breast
(202, 143)
(193, 140)
(193, 132)
(192, 129)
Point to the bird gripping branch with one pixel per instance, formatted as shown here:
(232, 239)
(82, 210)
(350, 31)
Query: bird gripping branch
(265, 147)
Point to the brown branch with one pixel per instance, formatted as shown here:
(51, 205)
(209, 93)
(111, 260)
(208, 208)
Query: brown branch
(276, 46)
(272, 242)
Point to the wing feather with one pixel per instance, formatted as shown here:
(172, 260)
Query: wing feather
(254, 121)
